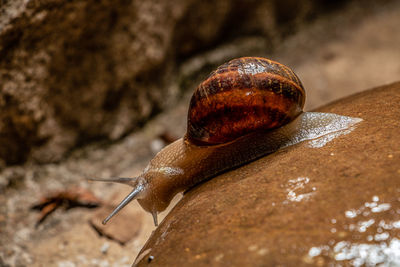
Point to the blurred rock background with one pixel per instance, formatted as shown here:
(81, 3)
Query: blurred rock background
(91, 88)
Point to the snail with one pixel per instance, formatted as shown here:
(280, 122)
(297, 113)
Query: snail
(247, 108)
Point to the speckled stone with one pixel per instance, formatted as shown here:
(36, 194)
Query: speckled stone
(304, 205)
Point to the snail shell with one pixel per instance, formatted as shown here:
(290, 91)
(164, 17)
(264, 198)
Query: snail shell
(247, 108)
(243, 96)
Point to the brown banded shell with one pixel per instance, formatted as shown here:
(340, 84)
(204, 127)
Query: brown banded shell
(242, 96)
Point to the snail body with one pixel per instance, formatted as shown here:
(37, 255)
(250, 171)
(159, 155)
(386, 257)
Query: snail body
(247, 108)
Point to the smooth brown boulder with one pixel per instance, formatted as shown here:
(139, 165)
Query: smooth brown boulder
(303, 205)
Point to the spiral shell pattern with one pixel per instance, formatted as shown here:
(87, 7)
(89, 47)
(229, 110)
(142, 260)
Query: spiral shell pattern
(242, 96)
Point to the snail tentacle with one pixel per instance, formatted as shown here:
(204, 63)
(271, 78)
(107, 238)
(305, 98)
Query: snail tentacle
(154, 214)
(121, 180)
(138, 188)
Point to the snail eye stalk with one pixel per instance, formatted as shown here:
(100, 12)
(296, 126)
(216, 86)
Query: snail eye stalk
(136, 183)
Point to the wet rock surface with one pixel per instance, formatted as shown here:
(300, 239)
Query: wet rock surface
(303, 205)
